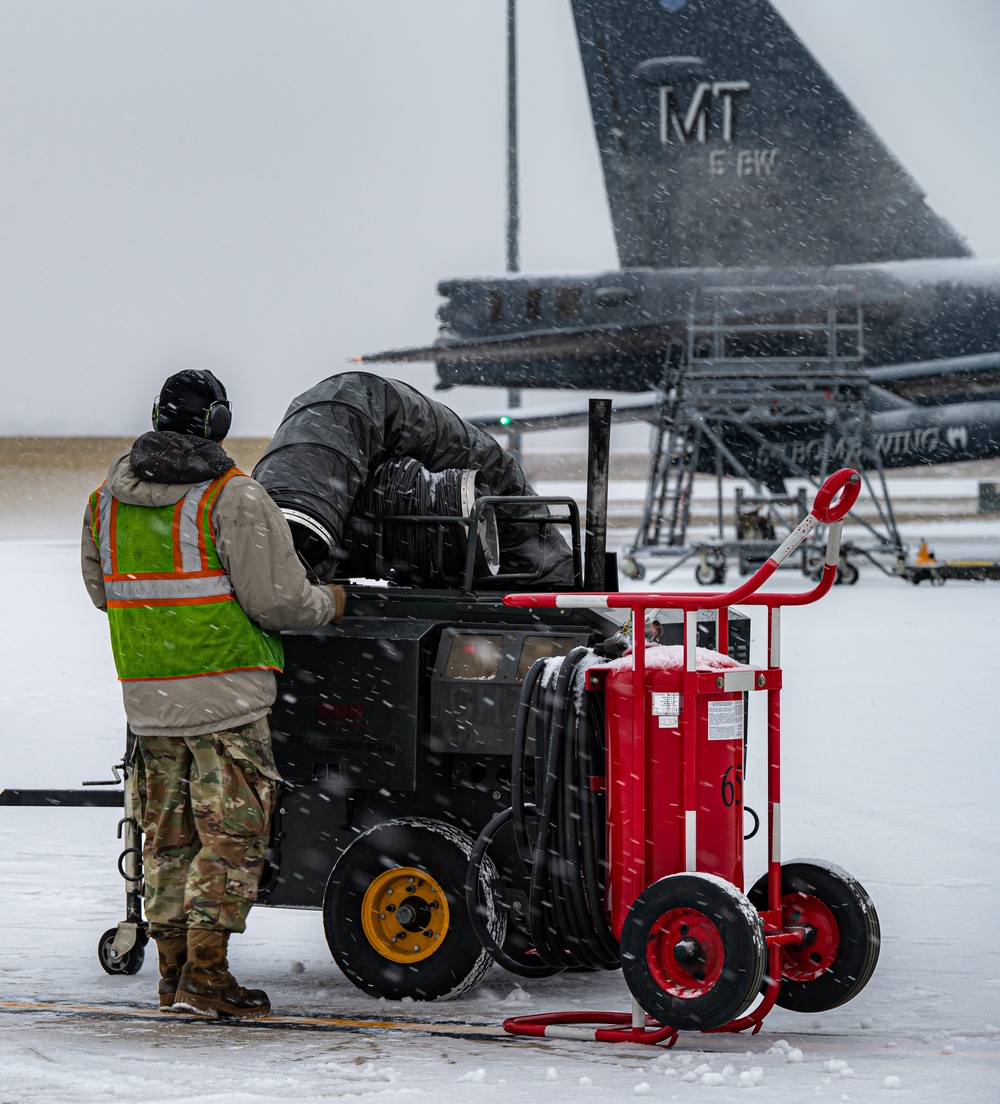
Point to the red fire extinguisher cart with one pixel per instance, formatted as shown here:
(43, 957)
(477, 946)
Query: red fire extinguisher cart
(695, 951)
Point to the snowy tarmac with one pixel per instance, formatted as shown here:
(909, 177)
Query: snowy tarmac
(890, 724)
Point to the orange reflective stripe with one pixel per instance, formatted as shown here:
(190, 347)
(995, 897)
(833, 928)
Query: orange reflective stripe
(206, 505)
(158, 576)
(142, 603)
(205, 674)
(200, 515)
(231, 474)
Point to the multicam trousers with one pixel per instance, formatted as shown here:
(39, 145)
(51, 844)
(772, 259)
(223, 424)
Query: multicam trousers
(204, 804)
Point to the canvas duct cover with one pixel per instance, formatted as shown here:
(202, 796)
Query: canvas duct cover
(334, 435)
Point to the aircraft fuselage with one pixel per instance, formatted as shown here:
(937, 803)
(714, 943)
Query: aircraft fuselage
(611, 330)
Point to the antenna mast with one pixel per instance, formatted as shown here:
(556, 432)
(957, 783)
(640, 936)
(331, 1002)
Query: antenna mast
(513, 213)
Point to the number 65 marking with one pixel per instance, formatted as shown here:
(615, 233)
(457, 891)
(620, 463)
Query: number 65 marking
(732, 788)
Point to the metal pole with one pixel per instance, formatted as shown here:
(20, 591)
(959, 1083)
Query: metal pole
(513, 213)
(598, 454)
(513, 217)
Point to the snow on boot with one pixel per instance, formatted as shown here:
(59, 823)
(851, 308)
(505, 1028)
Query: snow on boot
(207, 986)
(172, 952)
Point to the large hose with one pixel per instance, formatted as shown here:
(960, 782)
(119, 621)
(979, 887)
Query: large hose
(560, 837)
(413, 552)
(333, 438)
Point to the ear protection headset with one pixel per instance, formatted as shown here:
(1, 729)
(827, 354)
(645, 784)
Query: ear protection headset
(217, 419)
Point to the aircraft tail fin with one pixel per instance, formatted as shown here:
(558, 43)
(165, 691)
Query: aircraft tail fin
(725, 143)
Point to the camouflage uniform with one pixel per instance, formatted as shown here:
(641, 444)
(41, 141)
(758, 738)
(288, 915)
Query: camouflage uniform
(204, 804)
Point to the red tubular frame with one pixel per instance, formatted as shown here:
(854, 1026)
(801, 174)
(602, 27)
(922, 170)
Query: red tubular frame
(833, 502)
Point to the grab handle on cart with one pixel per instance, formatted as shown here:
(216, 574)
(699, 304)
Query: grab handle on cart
(836, 498)
(833, 502)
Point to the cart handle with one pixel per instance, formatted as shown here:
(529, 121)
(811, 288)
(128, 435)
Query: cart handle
(833, 502)
(836, 498)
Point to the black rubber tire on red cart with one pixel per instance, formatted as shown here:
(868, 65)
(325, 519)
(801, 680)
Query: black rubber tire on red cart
(693, 952)
(842, 950)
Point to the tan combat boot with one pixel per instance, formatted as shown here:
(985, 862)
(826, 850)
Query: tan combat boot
(207, 986)
(172, 951)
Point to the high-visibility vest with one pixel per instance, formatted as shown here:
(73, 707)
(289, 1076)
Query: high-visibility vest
(171, 605)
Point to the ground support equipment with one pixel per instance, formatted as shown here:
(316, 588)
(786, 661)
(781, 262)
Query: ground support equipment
(741, 398)
(121, 949)
(927, 567)
(695, 951)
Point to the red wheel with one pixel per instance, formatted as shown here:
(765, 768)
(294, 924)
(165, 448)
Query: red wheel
(684, 953)
(693, 951)
(840, 951)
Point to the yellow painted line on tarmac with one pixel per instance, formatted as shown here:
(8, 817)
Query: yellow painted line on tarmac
(974, 1048)
(327, 1023)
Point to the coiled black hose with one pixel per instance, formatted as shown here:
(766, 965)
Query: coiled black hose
(428, 555)
(560, 837)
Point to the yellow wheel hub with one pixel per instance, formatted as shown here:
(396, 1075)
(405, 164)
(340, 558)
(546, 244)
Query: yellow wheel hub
(405, 914)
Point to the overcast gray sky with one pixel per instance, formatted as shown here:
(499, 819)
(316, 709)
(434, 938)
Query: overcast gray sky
(269, 188)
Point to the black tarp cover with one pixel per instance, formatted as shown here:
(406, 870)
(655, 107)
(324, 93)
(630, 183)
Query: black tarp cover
(334, 436)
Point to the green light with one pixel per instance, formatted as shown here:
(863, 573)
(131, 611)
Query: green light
(505, 420)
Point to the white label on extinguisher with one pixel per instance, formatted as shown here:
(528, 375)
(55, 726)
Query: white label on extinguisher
(672, 721)
(725, 720)
(666, 705)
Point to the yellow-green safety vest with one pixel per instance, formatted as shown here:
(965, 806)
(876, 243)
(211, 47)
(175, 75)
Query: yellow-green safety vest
(171, 605)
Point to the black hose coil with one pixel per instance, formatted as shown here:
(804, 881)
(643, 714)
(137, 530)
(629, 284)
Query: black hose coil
(410, 551)
(563, 845)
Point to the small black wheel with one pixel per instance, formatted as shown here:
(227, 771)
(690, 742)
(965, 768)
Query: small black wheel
(693, 952)
(632, 569)
(395, 916)
(705, 573)
(842, 943)
(128, 963)
(719, 574)
(847, 573)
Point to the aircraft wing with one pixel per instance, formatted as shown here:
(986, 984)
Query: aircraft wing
(929, 382)
(583, 343)
(638, 409)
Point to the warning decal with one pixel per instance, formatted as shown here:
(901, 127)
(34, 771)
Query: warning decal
(725, 720)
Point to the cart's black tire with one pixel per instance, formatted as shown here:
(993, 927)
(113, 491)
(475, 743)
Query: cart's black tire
(444, 958)
(693, 951)
(704, 574)
(841, 958)
(128, 963)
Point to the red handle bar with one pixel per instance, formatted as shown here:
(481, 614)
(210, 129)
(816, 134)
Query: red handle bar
(832, 504)
(836, 498)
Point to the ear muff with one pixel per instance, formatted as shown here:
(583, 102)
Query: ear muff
(218, 419)
(184, 410)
